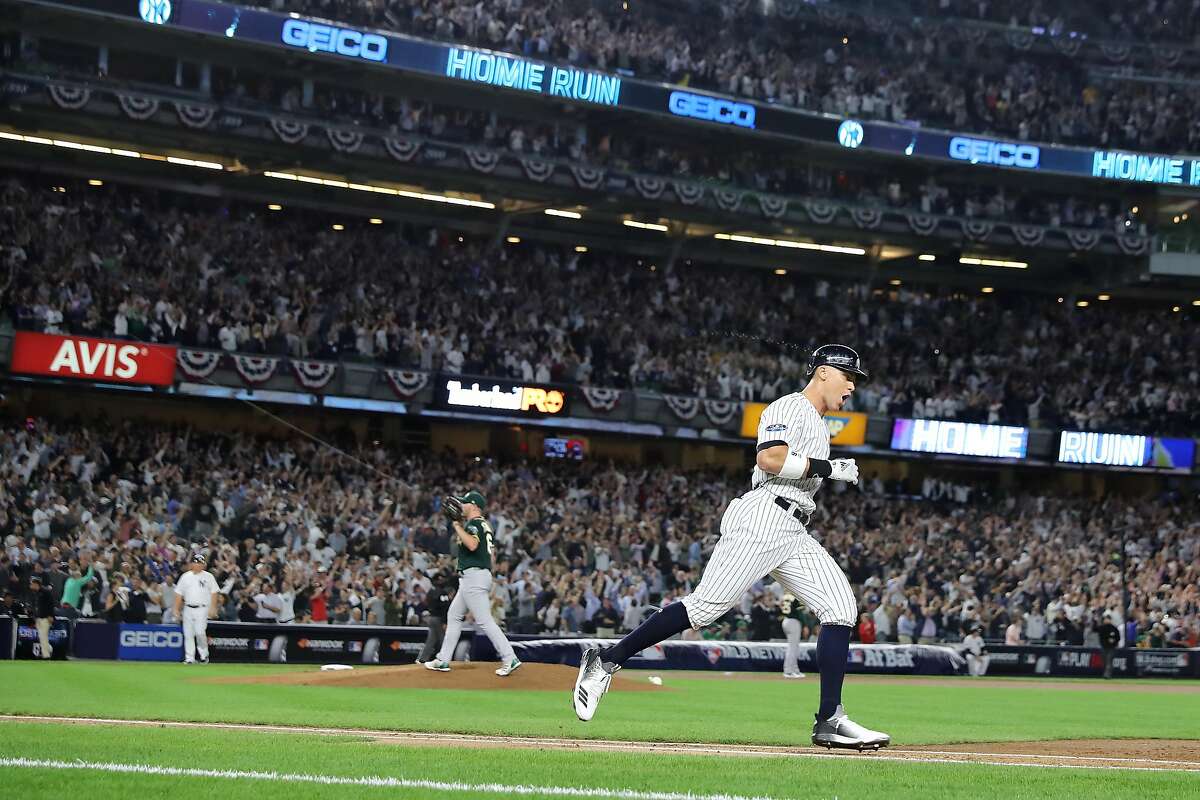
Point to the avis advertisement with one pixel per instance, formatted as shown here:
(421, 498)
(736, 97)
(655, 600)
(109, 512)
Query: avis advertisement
(107, 360)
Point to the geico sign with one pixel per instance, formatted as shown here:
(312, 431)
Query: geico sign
(714, 109)
(98, 359)
(326, 38)
(151, 639)
(1003, 154)
(518, 398)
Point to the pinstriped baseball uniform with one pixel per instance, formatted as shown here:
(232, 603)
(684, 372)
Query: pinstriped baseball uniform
(761, 534)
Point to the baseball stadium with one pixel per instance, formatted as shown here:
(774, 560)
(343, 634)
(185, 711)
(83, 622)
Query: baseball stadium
(631, 399)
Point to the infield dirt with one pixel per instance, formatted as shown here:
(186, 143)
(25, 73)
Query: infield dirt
(467, 675)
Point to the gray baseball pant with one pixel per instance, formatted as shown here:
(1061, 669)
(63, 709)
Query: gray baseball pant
(474, 595)
(791, 659)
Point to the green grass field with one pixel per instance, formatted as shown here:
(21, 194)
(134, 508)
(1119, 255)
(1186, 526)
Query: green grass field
(766, 712)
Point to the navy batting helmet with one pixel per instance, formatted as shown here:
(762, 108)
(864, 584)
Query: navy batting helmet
(836, 355)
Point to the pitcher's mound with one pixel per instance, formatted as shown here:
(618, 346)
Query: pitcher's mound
(463, 675)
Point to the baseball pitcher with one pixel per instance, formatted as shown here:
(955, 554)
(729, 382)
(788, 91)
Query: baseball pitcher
(763, 532)
(474, 585)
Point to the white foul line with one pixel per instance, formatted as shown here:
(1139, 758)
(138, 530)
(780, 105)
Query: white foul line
(376, 781)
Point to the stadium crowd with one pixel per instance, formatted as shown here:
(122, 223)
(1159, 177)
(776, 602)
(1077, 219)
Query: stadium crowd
(167, 268)
(619, 147)
(1152, 21)
(909, 74)
(107, 514)
(612, 144)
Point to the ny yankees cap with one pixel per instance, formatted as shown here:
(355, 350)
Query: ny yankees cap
(474, 497)
(198, 558)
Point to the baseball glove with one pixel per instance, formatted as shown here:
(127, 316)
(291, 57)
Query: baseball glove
(452, 508)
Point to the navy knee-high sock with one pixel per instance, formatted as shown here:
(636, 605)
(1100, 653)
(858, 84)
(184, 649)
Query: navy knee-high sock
(833, 645)
(658, 626)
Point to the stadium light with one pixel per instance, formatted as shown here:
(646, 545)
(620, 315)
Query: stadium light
(71, 144)
(375, 221)
(554, 212)
(274, 207)
(992, 262)
(988, 289)
(192, 162)
(1103, 297)
(513, 240)
(825, 248)
(781, 272)
(1175, 309)
(365, 187)
(337, 226)
(581, 248)
(1196, 302)
(649, 226)
(894, 282)
(95, 182)
(927, 257)
(1082, 303)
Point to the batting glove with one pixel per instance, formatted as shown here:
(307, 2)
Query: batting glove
(843, 469)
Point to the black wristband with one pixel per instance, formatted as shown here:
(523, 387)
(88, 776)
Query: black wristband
(819, 468)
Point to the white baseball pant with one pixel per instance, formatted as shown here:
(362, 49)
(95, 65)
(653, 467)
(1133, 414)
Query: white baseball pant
(977, 665)
(759, 538)
(474, 595)
(195, 632)
(791, 659)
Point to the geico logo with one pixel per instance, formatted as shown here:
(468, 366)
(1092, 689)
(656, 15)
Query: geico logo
(227, 641)
(101, 359)
(714, 109)
(548, 402)
(1004, 154)
(151, 639)
(836, 424)
(343, 41)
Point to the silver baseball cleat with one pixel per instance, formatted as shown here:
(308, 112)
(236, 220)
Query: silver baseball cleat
(841, 731)
(591, 684)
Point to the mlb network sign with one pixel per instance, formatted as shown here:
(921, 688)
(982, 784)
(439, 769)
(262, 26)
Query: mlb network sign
(509, 399)
(93, 359)
(150, 643)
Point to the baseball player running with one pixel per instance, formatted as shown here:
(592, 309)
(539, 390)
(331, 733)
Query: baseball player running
(763, 532)
(474, 583)
(789, 609)
(197, 590)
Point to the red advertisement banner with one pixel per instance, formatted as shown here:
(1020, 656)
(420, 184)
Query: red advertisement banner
(112, 361)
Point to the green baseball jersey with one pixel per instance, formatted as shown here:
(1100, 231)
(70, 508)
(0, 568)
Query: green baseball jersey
(481, 556)
(790, 608)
